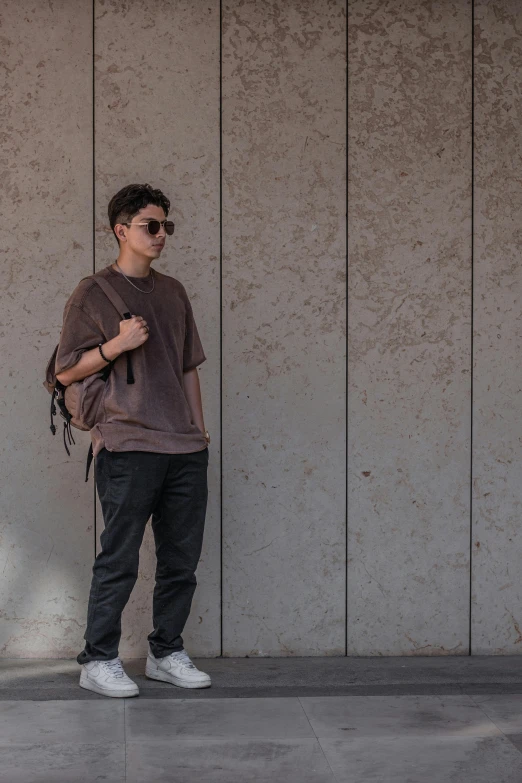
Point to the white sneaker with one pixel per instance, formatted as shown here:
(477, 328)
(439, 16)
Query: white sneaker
(107, 678)
(176, 668)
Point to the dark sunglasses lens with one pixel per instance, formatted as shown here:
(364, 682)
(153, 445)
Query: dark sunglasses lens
(169, 227)
(153, 227)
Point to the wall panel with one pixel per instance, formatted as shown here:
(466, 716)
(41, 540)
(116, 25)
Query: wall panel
(157, 121)
(284, 328)
(46, 517)
(497, 432)
(409, 253)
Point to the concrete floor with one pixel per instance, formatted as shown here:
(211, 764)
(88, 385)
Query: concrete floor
(276, 720)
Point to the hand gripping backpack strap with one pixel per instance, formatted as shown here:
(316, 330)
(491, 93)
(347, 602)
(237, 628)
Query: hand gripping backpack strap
(122, 309)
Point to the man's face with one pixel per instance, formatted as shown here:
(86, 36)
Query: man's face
(136, 237)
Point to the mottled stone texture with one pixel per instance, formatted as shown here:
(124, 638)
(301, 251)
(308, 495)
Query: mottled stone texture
(409, 254)
(157, 121)
(497, 432)
(283, 381)
(46, 518)
(284, 302)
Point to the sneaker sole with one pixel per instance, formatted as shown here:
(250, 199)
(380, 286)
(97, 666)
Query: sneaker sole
(89, 685)
(154, 673)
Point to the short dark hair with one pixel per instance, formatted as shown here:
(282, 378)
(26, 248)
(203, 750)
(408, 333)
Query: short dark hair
(131, 199)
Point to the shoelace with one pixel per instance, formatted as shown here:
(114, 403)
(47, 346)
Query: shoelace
(181, 656)
(115, 668)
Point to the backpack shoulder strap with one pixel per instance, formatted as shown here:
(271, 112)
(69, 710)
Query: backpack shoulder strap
(101, 279)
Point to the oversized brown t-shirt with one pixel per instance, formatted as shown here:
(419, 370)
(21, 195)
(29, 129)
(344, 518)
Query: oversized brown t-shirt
(152, 414)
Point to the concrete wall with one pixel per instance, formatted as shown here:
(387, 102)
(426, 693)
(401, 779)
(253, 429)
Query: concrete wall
(409, 338)
(319, 541)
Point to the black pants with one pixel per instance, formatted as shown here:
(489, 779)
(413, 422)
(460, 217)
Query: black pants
(132, 486)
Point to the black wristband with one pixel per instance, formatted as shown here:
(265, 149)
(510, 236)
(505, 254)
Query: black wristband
(103, 357)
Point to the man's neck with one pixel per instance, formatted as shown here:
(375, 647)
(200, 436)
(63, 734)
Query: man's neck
(133, 267)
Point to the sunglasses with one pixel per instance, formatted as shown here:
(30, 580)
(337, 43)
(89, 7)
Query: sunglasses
(153, 226)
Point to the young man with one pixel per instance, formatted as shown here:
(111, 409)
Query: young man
(150, 443)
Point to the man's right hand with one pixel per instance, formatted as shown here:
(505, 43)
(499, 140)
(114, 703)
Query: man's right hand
(133, 333)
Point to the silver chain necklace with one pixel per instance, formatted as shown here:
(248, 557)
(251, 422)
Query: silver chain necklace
(135, 286)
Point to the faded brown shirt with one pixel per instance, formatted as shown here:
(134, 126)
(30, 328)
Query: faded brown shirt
(153, 413)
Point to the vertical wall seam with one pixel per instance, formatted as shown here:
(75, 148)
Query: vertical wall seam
(93, 214)
(221, 316)
(472, 311)
(346, 382)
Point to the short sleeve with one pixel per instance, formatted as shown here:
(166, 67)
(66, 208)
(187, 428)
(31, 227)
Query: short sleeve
(193, 353)
(79, 334)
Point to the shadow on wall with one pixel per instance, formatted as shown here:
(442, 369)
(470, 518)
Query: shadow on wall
(47, 545)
